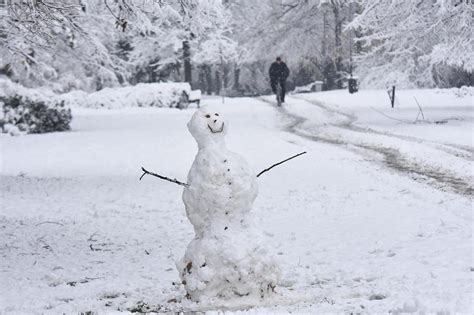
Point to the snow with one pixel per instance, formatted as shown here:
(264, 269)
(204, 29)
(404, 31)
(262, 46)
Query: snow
(195, 95)
(312, 87)
(12, 130)
(409, 43)
(163, 94)
(353, 230)
(9, 88)
(437, 146)
(439, 107)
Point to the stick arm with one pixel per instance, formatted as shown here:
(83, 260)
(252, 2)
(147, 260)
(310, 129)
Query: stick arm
(281, 162)
(174, 180)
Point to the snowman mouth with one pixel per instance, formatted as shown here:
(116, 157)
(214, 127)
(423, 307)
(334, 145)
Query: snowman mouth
(216, 131)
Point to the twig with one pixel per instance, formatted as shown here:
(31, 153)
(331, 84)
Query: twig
(110, 10)
(49, 222)
(421, 110)
(267, 169)
(174, 180)
(94, 249)
(400, 120)
(90, 239)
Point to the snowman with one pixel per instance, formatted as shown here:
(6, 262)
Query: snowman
(226, 259)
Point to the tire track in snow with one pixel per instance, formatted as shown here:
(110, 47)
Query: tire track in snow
(439, 178)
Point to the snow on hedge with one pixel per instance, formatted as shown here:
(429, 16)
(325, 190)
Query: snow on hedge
(10, 89)
(167, 94)
(31, 111)
(463, 91)
(40, 110)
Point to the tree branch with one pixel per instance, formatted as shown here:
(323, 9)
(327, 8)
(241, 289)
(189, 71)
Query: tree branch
(174, 180)
(393, 118)
(110, 10)
(276, 164)
(49, 222)
(421, 110)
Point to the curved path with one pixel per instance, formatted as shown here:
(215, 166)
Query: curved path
(344, 132)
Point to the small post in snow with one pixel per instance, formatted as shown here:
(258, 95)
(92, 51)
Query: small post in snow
(391, 95)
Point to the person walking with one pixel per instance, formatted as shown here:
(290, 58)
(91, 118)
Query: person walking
(279, 72)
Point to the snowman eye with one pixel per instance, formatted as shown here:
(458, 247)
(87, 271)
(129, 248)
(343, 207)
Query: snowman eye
(208, 116)
(216, 114)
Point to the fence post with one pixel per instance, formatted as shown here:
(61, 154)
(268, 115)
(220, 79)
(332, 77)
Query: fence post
(393, 96)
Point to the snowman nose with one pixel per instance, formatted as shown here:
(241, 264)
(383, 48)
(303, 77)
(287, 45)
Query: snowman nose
(215, 120)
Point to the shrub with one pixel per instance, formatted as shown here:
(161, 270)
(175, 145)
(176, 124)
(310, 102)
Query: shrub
(164, 94)
(34, 116)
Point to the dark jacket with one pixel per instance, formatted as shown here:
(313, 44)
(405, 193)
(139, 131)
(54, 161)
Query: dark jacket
(278, 71)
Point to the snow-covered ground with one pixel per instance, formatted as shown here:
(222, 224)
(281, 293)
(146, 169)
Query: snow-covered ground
(376, 218)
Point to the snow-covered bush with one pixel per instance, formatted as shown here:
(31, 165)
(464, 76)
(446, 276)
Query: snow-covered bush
(175, 95)
(163, 94)
(21, 114)
(26, 110)
(462, 92)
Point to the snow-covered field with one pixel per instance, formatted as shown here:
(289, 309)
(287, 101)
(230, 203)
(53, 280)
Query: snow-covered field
(376, 218)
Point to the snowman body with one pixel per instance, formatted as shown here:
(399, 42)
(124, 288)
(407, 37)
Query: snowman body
(225, 260)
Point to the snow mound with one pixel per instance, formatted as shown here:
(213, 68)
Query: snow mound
(166, 94)
(169, 94)
(463, 91)
(9, 88)
(24, 110)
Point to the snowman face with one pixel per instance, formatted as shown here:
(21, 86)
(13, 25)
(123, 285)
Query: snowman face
(207, 125)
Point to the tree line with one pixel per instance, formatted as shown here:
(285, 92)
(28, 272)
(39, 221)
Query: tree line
(226, 46)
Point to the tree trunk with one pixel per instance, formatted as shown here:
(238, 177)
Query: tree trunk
(202, 78)
(236, 77)
(208, 74)
(338, 44)
(218, 82)
(325, 34)
(225, 79)
(187, 61)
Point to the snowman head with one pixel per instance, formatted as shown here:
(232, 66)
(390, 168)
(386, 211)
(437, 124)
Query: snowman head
(208, 127)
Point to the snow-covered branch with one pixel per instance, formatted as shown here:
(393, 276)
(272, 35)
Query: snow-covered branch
(414, 37)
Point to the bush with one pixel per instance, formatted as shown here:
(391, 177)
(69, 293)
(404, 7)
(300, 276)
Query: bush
(34, 116)
(164, 94)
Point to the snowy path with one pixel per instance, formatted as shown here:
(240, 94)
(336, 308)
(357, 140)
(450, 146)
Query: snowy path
(450, 170)
(80, 233)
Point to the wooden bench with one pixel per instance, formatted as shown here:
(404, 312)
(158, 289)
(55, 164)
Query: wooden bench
(195, 97)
